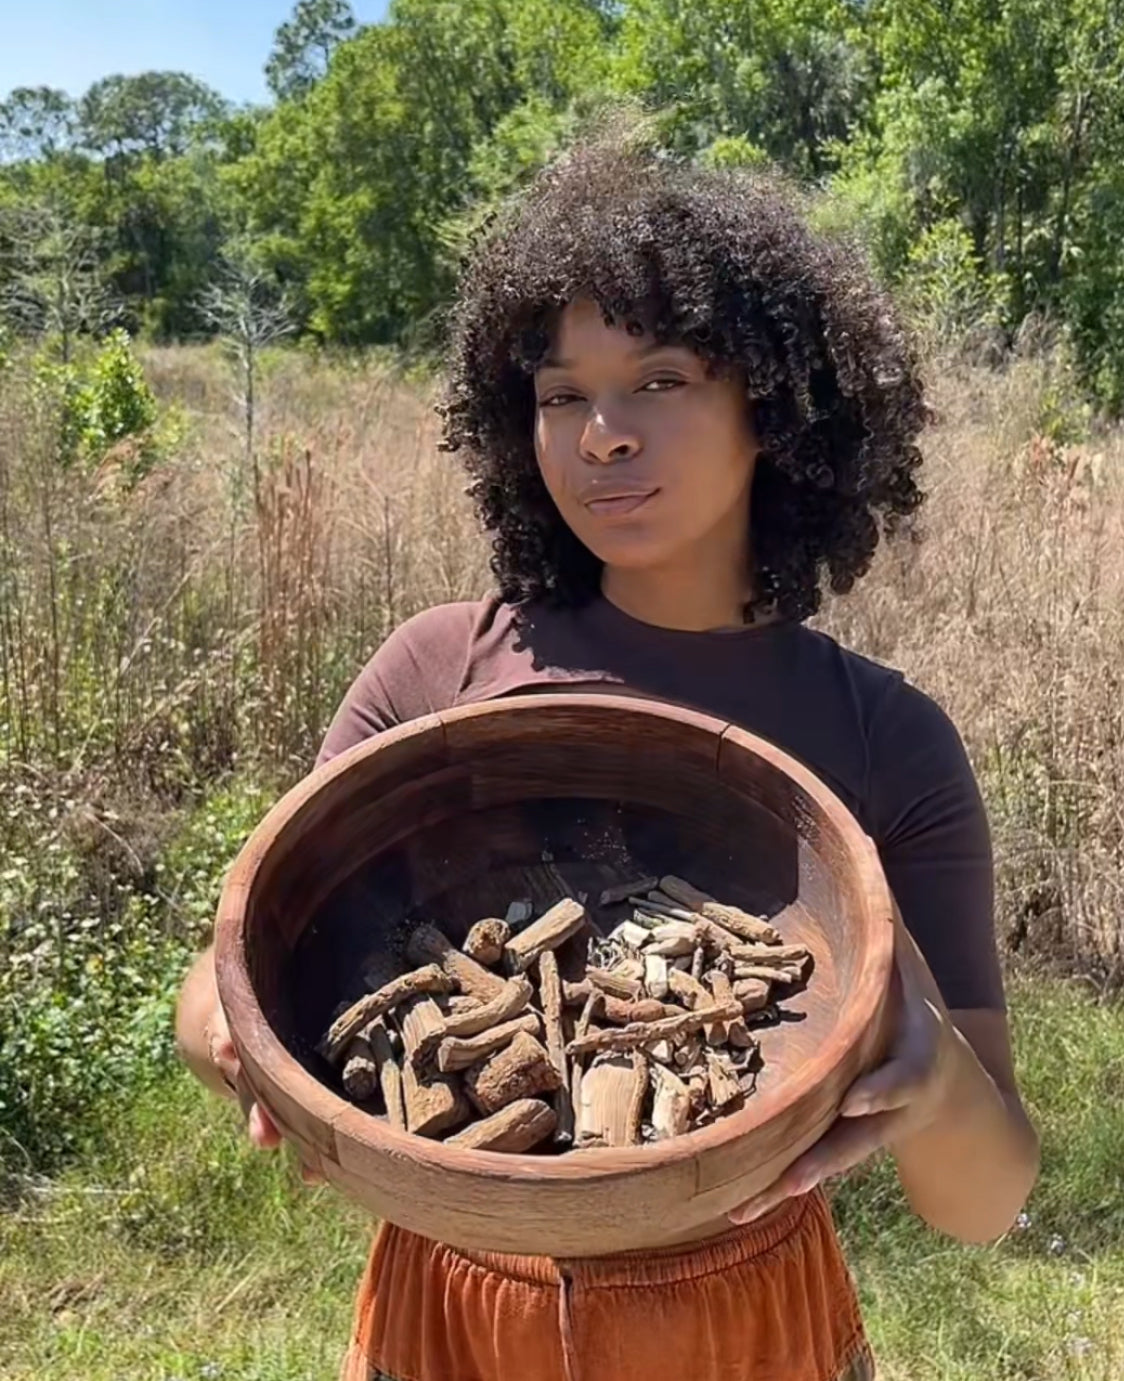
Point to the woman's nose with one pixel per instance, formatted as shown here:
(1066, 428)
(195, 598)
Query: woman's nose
(605, 440)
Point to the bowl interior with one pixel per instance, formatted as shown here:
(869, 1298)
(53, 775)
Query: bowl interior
(469, 822)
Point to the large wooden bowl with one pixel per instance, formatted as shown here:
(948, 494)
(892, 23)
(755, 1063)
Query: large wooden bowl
(453, 812)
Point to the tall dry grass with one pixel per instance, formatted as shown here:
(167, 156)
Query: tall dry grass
(152, 640)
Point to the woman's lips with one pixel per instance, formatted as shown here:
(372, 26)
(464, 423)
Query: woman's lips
(618, 505)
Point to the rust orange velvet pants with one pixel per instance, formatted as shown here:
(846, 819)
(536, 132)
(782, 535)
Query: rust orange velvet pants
(772, 1301)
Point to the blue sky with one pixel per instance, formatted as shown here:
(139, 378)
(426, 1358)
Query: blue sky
(71, 43)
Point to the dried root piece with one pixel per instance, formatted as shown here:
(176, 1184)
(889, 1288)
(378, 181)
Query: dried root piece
(688, 989)
(649, 1032)
(428, 979)
(613, 896)
(486, 939)
(460, 1052)
(673, 939)
(638, 1098)
(622, 981)
(521, 1070)
(517, 1127)
(622, 1012)
(752, 993)
(732, 917)
(550, 985)
(513, 997)
(433, 1103)
(785, 976)
(360, 1071)
(390, 1073)
(553, 928)
(427, 945)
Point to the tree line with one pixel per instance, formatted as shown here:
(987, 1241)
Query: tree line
(975, 146)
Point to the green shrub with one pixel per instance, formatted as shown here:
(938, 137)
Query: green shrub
(87, 992)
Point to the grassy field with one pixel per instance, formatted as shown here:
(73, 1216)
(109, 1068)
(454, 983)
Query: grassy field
(171, 648)
(180, 1253)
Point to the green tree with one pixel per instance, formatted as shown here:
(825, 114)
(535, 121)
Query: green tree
(787, 75)
(153, 113)
(349, 189)
(36, 122)
(303, 45)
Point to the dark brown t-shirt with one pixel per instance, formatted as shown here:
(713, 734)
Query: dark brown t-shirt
(888, 751)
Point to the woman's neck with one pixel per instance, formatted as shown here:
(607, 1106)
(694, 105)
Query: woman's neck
(691, 600)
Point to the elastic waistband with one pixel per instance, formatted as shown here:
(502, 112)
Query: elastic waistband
(661, 1265)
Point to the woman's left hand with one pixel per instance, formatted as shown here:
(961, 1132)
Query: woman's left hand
(894, 1101)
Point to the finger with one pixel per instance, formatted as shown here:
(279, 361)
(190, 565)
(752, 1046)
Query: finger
(846, 1145)
(889, 1087)
(262, 1129)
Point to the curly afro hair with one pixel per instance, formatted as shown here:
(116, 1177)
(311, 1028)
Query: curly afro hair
(721, 261)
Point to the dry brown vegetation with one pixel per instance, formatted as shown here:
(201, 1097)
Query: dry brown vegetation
(151, 640)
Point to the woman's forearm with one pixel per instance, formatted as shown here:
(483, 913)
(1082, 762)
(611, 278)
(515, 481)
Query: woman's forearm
(969, 1171)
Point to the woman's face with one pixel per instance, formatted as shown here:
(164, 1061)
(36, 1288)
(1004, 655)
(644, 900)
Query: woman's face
(647, 457)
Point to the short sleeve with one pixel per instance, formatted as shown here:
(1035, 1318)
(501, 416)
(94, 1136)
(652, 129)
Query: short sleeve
(932, 832)
(416, 671)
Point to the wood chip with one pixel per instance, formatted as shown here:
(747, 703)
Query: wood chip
(630, 933)
(655, 975)
(605, 1110)
(724, 1087)
(671, 1102)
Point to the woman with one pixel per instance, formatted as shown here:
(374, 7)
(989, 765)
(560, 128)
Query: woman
(683, 414)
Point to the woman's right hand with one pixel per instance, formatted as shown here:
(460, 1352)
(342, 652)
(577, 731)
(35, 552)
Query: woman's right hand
(204, 1043)
(262, 1129)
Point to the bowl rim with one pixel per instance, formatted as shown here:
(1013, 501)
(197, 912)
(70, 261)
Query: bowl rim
(251, 1031)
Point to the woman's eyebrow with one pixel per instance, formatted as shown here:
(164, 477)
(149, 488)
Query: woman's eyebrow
(553, 362)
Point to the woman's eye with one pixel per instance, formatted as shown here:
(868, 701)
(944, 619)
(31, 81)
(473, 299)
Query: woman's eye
(557, 399)
(661, 385)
